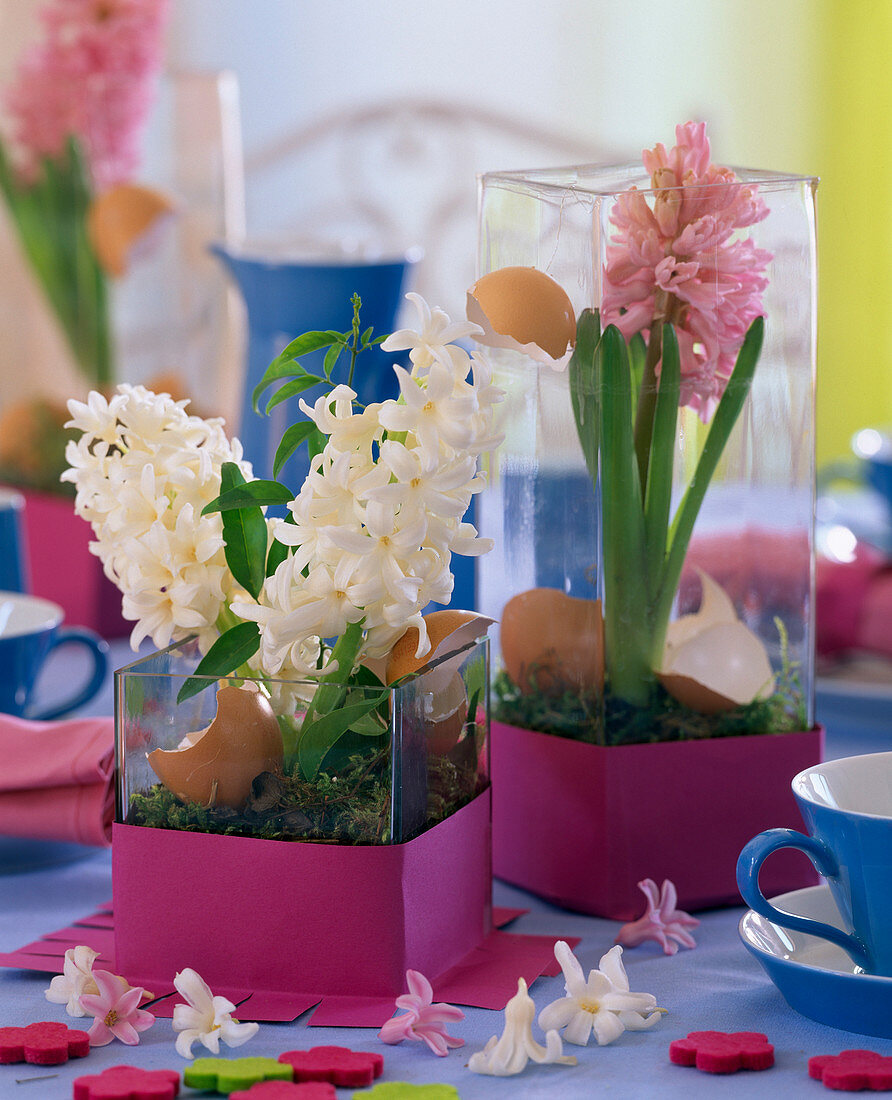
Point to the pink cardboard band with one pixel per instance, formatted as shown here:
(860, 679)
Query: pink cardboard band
(319, 918)
(605, 818)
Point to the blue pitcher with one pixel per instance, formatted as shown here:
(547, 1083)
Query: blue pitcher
(285, 298)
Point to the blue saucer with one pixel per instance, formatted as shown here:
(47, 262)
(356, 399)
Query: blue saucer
(815, 977)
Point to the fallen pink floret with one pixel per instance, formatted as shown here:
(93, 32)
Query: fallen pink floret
(421, 1019)
(661, 921)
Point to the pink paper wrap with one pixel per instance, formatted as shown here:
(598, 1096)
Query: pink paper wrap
(57, 779)
(581, 824)
(325, 919)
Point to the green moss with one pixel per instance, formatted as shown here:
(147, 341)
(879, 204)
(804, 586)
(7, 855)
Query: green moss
(351, 807)
(612, 721)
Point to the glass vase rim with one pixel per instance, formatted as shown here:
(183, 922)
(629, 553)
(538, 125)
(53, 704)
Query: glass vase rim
(133, 669)
(606, 180)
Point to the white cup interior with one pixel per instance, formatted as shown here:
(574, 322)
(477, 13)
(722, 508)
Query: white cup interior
(855, 784)
(22, 614)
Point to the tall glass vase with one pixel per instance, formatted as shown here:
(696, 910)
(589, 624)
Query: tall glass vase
(660, 591)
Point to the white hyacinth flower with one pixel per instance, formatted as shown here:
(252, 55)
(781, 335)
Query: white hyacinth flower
(435, 342)
(206, 1018)
(508, 1054)
(76, 978)
(602, 1004)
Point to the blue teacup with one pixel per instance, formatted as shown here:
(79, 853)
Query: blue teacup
(30, 629)
(847, 807)
(12, 541)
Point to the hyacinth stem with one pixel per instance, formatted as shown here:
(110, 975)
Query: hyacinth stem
(643, 552)
(625, 582)
(50, 216)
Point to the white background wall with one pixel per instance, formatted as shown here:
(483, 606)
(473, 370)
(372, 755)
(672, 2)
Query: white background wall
(618, 73)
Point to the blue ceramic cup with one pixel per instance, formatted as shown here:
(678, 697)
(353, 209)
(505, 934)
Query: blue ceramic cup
(12, 544)
(870, 468)
(847, 808)
(30, 629)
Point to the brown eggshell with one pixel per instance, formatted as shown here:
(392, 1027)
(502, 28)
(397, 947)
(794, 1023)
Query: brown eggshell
(525, 305)
(554, 639)
(217, 765)
(440, 625)
(443, 735)
(119, 218)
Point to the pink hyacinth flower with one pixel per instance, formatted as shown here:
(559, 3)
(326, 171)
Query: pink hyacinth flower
(91, 76)
(677, 255)
(116, 1010)
(422, 1019)
(661, 921)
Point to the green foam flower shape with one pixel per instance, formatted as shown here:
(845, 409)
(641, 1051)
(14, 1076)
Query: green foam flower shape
(225, 1075)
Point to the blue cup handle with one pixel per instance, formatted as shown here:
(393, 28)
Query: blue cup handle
(749, 863)
(98, 649)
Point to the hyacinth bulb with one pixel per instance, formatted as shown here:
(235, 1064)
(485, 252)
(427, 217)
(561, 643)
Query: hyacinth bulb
(713, 662)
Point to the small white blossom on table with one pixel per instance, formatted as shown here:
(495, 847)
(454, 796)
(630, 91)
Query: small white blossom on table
(508, 1054)
(602, 1004)
(206, 1018)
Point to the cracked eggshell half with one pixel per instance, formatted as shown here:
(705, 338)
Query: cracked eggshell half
(720, 668)
(217, 765)
(125, 221)
(552, 642)
(445, 702)
(713, 662)
(523, 309)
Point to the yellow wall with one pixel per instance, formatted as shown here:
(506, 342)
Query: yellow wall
(853, 106)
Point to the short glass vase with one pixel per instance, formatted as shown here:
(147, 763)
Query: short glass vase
(258, 758)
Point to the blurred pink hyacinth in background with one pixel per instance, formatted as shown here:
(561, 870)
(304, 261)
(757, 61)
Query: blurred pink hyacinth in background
(91, 77)
(677, 257)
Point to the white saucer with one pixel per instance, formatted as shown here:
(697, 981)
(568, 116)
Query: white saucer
(815, 977)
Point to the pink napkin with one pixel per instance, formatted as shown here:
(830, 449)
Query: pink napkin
(57, 779)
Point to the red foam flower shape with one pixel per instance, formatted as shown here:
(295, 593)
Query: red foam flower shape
(342, 1067)
(45, 1043)
(287, 1090)
(723, 1051)
(853, 1070)
(128, 1083)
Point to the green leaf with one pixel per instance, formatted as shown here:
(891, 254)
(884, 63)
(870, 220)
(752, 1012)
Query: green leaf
(366, 337)
(723, 421)
(245, 535)
(331, 358)
(229, 652)
(321, 735)
(658, 498)
(637, 359)
(584, 387)
(626, 620)
(290, 441)
(285, 366)
(292, 389)
(259, 492)
(278, 551)
(315, 442)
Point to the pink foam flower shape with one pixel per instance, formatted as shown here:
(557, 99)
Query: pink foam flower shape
(422, 1019)
(116, 1010)
(661, 921)
(677, 255)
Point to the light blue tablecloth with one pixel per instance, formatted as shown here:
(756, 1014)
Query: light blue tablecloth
(715, 986)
